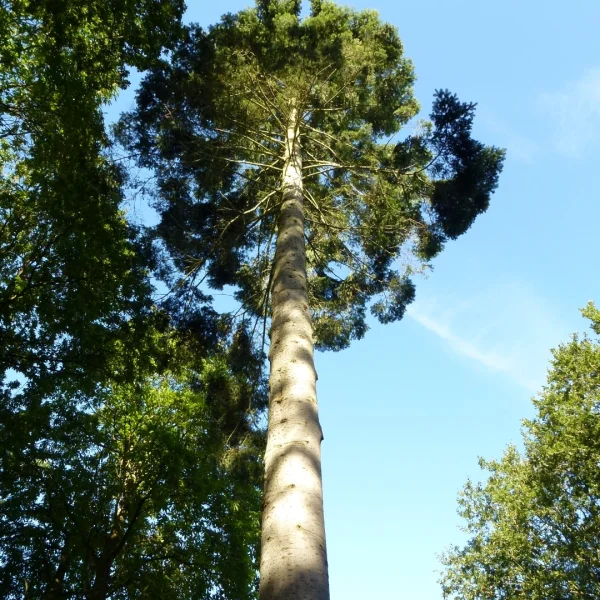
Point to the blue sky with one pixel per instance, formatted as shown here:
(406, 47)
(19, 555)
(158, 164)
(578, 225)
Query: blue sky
(407, 411)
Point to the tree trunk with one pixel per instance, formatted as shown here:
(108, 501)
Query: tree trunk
(101, 584)
(293, 553)
(56, 587)
(104, 562)
(124, 519)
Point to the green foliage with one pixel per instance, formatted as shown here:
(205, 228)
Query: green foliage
(211, 121)
(467, 172)
(71, 282)
(152, 485)
(129, 442)
(534, 526)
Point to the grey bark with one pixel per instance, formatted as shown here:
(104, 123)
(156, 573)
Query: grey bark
(293, 551)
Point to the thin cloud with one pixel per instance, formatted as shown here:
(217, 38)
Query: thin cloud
(574, 112)
(507, 329)
(462, 346)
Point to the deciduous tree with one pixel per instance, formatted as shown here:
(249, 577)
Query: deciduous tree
(145, 487)
(534, 525)
(127, 460)
(71, 281)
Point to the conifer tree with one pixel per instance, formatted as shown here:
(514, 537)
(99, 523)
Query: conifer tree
(278, 173)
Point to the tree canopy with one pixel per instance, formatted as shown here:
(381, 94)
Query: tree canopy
(210, 121)
(129, 460)
(149, 484)
(534, 525)
(71, 282)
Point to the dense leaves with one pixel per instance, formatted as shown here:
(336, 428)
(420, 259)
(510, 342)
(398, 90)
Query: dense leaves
(211, 122)
(534, 526)
(129, 440)
(147, 485)
(71, 283)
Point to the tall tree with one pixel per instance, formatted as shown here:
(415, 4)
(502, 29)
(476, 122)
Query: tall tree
(534, 525)
(271, 138)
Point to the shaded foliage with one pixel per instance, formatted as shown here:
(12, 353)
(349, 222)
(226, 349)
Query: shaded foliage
(148, 485)
(129, 439)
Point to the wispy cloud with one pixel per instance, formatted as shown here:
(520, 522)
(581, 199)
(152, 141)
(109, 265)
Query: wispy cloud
(463, 346)
(574, 113)
(508, 329)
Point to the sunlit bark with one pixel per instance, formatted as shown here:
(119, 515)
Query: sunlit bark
(293, 556)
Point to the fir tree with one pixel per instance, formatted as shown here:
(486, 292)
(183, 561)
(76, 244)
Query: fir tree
(271, 137)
